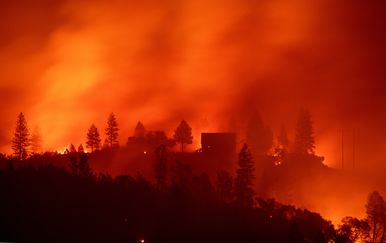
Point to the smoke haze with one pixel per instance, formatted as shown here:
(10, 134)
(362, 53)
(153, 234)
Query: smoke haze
(67, 64)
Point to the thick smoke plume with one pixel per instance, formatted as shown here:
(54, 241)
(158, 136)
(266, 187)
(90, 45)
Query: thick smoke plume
(67, 64)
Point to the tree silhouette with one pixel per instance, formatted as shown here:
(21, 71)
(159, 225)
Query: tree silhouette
(245, 177)
(53, 199)
(183, 134)
(139, 137)
(139, 131)
(304, 134)
(353, 230)
(80, 149)
(258, 136)
(21, 140)
(111, 131)
(72, 148)
(93, 138)
(78, 162)
(376, 215)
(160, 167)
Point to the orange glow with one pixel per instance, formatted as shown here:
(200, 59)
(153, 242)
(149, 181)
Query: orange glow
(212, 63)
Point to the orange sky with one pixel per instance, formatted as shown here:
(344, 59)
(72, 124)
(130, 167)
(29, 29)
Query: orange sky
(67, 64)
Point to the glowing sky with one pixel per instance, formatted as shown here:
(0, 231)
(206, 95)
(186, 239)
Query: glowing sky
(67, 64)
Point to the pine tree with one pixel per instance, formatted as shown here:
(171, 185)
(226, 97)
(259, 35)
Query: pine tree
(80, 149)
(139, 131)
(93, 138)
(111, 131)
(245, 177)
(183, 134)
(21, 140)
(304, 137)
(160, 166)
(72, 148)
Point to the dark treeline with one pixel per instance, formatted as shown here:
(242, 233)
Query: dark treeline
(54, 197)
(50, 204)
(25, 144)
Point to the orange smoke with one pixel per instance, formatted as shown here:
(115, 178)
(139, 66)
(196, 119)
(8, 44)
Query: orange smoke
(69, 64)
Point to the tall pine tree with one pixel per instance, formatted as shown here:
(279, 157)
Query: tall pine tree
(139, 131)
(111, 131)
(21, 139)
(93, 138)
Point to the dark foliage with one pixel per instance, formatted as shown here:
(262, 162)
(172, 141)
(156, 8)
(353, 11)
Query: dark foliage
(93, 138)
(21, 139)
(50, 204)
(183, 135)
(111, 131)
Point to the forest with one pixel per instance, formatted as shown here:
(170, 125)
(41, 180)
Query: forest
(192, 121)
(60, 197)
